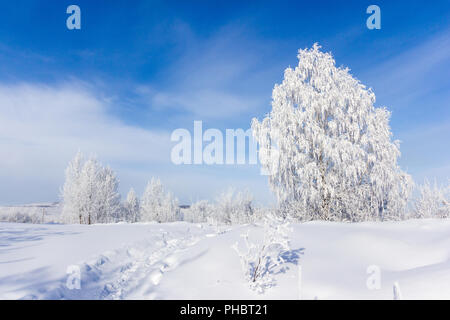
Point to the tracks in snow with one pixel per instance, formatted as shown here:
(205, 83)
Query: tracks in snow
(146, 267)
(131, 272)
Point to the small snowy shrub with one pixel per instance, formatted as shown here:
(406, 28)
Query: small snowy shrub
(434, 202)
(260, 259)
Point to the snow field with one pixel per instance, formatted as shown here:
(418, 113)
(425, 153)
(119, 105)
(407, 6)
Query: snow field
(192, 261)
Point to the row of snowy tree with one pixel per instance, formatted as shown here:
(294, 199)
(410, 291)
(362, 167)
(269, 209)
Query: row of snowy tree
(90, 195)
(230, 207)
(155, 205)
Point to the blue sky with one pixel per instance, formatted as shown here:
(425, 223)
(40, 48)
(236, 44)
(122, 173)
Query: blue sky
(138, 70)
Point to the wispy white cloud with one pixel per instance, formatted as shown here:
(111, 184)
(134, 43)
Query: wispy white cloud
(413, 73)
(206, 103)
(41, 127)
(214, 78)
(415, 85)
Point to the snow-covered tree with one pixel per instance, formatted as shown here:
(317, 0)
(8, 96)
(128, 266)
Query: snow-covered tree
(433, 202)
(198, 212)
(234, 207)
(171, 208)
(230, 207)
(88, 185)
(156, 205)
(132, 207)
(71, 191)
(260, 258)
(90, 192)
(327, 149)
(108, 198)
(151, 201)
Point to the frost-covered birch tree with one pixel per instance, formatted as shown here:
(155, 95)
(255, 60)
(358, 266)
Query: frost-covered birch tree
(198, 212)
(327, 149)
(107, 196)
(88, 186)
(132, 207)
(234, 207)
(157, 205)
(90, 192)
(71, 191)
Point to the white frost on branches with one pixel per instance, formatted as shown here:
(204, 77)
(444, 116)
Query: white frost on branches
(132, 207)
(327, 148)
(157, 205)
(90, 193)
(261, 258)
(198, 212)
(434, 201)
(230, 208)
(71, 191)
(234, 207)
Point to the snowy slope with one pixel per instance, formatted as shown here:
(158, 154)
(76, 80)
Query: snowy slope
(189, 261)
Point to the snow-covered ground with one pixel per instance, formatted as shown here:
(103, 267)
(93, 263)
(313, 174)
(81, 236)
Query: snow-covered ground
(189, 261)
